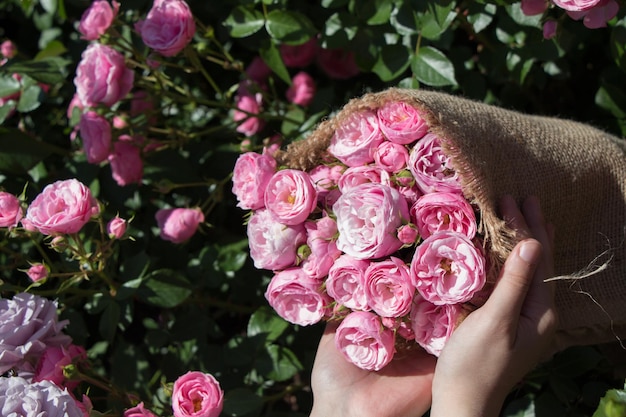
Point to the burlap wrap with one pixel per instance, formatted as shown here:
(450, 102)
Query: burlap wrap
(578, 172)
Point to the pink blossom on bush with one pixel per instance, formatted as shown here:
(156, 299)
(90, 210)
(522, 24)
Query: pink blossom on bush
(251, 175)
(346, 282)
(407, 234)
(23, 398)
(247, 107)
(447, 268)
(54, 359)
(577, 5)
(179, 224)
(433, 324)
(388, 287)
(126, 162)
(95, 133)
(62, 207)
(299, 56)
(116, 227)
(321, 240)
(392, 157)
(258, 71)
(325, 179)
(432, 168)
(355, 176)
(297, 297)
(436, 212)
(549, 29)
(354, 141)
(363, 341)
(168, 27)
(37, 272)
(197, 394)
(139, 411)
(290, 196)
(97, 19)
(597, 16)
(8, 49)
(302, 89)
(338, 64)
(401, 123)
(534, 7)
(10, 210)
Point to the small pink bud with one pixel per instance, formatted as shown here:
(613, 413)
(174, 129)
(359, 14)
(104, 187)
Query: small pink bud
(116, 228)
(407, 234)
(37, 272)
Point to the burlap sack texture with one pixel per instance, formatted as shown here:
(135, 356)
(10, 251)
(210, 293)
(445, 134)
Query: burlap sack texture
(578, 173)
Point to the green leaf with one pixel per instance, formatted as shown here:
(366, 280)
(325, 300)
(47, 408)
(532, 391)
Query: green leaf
(271, 56)
(49, 70)
(8, 85)
(109, 320)
(480, 16)
(437, 19)
(618, 46)
(613, 404)
(375, 12)
(243, 22)
(20, 152)
(392, 61)
(292, 122)
(289, 27)
(52, 49)
(285, 364)
(49, 6)
(515, 11)
(30, 99)
(265, 320)
(5, 111)
(164, 288)
(241, 402)
(404, 19)
(232, 257)
(431, 67)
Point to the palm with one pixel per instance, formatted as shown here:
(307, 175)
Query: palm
(402, 388)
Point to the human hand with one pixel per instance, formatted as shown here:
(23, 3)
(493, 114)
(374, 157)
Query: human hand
(496, 345)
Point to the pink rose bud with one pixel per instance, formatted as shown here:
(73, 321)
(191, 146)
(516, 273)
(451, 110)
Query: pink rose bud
(119, 122)
(179, 224)
(299, 56)
(102, 76)
(138, 411)
(549, 29)
(8, 49)
(534, 7)
(58, 244)
(95, 133)
(432, 168)
(354, 141)
(302, 89)
(62, 207)
(116, 227)
(401, 123)
(338, 64)
(392, 157)
(436, 212)
(407, 234)
(258, 71)
(251, 174)
(37, 272)
(126, 162)
(197, 394)
(52, 364)
(97, 19)
(290, 196)
(248, 106)
(432, 324)
(346, 282)
(363, 341)
(322, 242)
(388, 287)
(10, 210)
(168, 27)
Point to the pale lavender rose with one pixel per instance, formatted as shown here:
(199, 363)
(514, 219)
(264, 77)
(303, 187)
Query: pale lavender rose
(392, 157)
(302, 89)
(432, 168)
(116, 227)
(338, 64)
(355, 176)
(299, 55)
(401, 123)
(138, 411)
(102, 76)
(325, 179)
(97, 19)
(19, 397)
(247, 108)
(179, 224)
(54, 359)
(534, 7)
(273, 245)
(251, 174)
(126, 162)
(364, 341)
(10, 210)
(63, 207)
(433, 324)
(436, 212)
(290, 196)
(37, 272)
(297, 297)
(28, 325)
(346, 282)
(95, 133)
(447, 268)
(168, 27)
(354, 141)
(8, 49)
(197, 394)
(408, 234)
(597, 16)
(321, 241)
(367, 219)
(388, 287)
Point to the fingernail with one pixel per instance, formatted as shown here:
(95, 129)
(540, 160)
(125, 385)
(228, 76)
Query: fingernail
(527, 252)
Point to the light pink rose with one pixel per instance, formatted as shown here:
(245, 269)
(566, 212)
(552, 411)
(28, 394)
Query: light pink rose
(407, 234)
(432, 168)
(97, 19)
(410, 194)
(251, 174)
(367, 219)
(273, 245)
(62, 207)
(338, 64)
(248, 106)
(354, 141)
(346, 282)
(549, 29)
(436, 212)
(21, 397)
(10, 210)
(102, 76)
(179, 224)
(95, 133)
(355, 176)
(197, 394)
(168, 27)
(54, 359)
(297, 297)
(299, 55)
(321, 241)
(116, 227)
(577, 5)
(388, 287)
(325, 179)
(8, 49)
(447, 268)
(363, 341)
(139, 411)
(534, 7)
(302, 89)
(126, 162)
(258, 71)
(392, 157)
(433, 324)
(401, 123)
(597, 16)
(37, 272)
(290, 196)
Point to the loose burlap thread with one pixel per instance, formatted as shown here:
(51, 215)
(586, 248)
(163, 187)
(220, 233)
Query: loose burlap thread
(578, 173)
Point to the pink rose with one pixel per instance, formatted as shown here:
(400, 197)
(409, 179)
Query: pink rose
(251, 174)
(392, 157)
(299, 55)
(407, 234)
(534, 7)
(436, 212)
(346, 282)
(321, 241)
(126, 162)
(354, 141)
(138, 411)
(197, 394)
(8, 49)
(179, 224)
(116, 227)
(597, 16)
(355, 176)
(54, 359)
(367, 219)
(62, 207)
(168, 27)
(433, 324)
(447, 268)
(297, 297)
(432, 168)
(97, 19)
(338, 64)
(549, 29)
(10, 210)
(302, 89)
(362, 340)
(325, 179)
(95, 132)
(577, 5)
(273, 245)
(248, 107)
(37, 272)
(102, 76)
(258, 71)
(290, 196)
(388, 287)
(401, 123)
